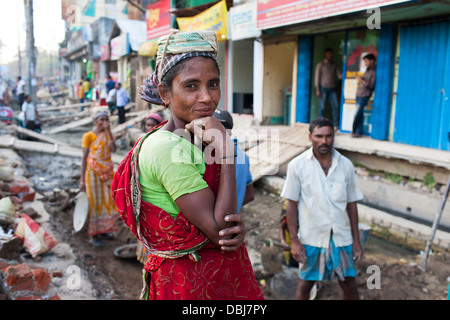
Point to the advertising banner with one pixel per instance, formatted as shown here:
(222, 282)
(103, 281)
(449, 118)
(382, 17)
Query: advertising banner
(157, 17)
(104, 53)
(212, 19)
(275, 13)
(119, 46)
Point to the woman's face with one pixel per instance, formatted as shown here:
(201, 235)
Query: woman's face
(100, 122)
(150, 124)
(195, 90)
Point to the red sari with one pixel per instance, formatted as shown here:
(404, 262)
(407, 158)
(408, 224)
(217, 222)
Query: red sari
(183, 264)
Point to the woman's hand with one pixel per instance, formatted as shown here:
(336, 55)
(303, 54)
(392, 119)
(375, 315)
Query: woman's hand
(209, 129)
(238, 232)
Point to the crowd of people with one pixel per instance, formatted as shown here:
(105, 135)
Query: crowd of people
(110, 94)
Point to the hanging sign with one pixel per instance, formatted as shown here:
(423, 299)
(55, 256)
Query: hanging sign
(212, 19)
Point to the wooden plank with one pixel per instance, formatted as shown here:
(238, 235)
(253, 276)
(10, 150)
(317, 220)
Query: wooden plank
(70, 106)
(38, 136)
(388, 149)
(268, 156)
(72, 125)
(88, 120)
(9, 141)
(140, 115)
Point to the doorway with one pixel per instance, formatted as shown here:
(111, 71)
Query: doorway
(336, 42)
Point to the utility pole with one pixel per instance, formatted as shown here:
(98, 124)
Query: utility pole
(30, 50)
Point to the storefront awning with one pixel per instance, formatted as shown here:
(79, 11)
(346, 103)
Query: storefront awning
(149, 48)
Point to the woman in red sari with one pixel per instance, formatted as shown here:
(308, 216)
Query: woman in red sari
(178, 196)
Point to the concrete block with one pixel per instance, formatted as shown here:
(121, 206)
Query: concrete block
(10, 249)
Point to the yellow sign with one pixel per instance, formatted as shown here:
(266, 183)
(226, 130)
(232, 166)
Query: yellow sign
(212, 19)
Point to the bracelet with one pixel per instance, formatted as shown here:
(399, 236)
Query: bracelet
(226, 157)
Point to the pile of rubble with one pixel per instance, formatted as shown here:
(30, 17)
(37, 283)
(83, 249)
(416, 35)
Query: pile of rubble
(21, 233)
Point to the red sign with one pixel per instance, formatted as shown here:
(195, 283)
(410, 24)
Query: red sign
(157, 16)
(275, 13)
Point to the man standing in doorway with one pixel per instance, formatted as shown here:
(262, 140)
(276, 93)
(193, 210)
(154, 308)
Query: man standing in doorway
(321, 191)
(325, 83)
(121, 101)
(366, 85)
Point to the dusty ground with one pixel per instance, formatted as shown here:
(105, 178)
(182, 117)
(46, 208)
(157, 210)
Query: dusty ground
(400, 278)
(107, 277)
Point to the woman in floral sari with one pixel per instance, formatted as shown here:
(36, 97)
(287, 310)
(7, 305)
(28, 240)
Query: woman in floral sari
(97, 171)
(178, 196)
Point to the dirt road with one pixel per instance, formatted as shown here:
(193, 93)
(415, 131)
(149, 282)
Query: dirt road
(108, 277)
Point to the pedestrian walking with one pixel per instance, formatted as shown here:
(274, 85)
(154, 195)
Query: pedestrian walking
(325, 83)
(97, 171)
(366, 86)
(321, 191)
(110, 84)
(121, 102)
(30, 114)
(20, 91)
(177, 199)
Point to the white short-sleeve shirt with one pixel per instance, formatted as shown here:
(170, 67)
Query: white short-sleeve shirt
(322, 199)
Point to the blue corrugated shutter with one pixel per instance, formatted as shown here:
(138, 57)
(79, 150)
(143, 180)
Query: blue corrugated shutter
(422, 109)
(303, 79)
(384, 79)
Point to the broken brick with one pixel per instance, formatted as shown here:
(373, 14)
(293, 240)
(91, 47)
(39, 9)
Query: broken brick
(18, 186)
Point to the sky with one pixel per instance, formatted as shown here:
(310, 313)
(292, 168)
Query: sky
(48, 26)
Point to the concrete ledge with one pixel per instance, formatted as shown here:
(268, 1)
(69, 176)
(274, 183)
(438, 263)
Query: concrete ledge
(398, 230)
(402, 231)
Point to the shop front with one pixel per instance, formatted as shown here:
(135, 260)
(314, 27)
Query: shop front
(411, 43)
(244, 37)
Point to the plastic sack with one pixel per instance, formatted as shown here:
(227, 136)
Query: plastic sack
(7, 207)
(35, 239)
(6, 174)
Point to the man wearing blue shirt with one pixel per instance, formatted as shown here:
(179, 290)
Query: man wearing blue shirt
(244, 181)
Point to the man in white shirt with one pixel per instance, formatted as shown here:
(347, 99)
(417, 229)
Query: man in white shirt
(20, 90)
(121, 101)
(321, 191)
(30, 114)
(111, 99)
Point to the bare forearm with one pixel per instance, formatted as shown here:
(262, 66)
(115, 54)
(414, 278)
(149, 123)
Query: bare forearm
(352, 212)
(292, 218)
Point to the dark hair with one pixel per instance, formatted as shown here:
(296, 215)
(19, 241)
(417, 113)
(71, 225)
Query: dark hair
(319, 123)
(171, 74)
(370, 56)
(328, 49)
(224, 117)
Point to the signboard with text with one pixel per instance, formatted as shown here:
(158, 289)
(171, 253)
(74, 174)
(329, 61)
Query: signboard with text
(275, 13)
(243, 21)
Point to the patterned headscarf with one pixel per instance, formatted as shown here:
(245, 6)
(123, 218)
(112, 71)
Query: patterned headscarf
(172, 49)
